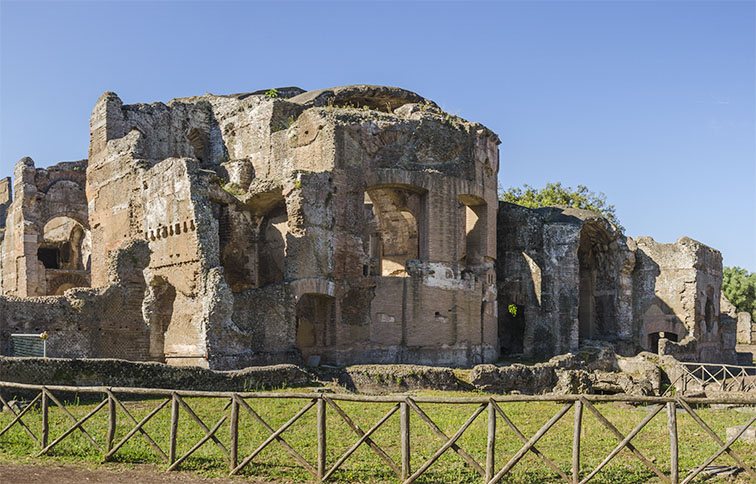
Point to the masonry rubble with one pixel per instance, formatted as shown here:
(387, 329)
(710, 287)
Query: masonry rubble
(351, 225)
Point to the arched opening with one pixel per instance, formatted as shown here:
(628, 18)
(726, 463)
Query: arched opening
(709, 314)
(64, 252)
(476, 229)
(252, 242)
(397, 236)
(200, 142)
(65, 245)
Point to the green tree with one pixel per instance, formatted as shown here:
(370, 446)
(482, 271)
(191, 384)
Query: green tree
(556, 194)
(740, 288)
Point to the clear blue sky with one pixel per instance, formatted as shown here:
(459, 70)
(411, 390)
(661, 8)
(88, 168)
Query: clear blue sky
(651, 103)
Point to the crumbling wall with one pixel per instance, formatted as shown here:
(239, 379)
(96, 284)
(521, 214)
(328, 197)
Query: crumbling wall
(414, 202)
(522, 277)
(677, 292)
(345, 213)
(564, 277)
(106, 321)
(348, 225)
(46, 246)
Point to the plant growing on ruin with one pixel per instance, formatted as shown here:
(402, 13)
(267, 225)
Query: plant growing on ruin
(272, 93)
(512, 308)
(557, 194)
(233, 189)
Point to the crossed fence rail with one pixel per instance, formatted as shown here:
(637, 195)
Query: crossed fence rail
(404, 405)
(727, 378)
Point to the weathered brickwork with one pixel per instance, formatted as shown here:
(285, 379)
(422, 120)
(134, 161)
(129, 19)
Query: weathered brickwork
(349, 225)
(573, 277)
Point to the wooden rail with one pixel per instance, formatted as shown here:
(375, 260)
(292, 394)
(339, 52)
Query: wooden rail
(405, 406)
(725, 378)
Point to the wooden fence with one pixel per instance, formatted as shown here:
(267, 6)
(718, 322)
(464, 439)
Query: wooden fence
(404, 405)
(732, 378)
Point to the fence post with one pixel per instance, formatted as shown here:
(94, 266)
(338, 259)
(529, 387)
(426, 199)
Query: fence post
(576, 442)
(404, 427)
(234, 432)
(45, 420)
(742, 380)
(491, 443)
(672, 425)
(321, 437)
(174, 428)
(111, 422)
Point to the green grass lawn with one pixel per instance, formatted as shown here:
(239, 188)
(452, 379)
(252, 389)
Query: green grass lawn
(364, 465)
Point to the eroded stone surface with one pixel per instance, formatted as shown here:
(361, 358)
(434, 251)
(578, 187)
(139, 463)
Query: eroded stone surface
(566, 277)
(349, 225)
(356, 224)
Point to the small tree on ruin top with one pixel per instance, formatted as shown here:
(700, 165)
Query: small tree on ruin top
(557, 194)
(739, 286)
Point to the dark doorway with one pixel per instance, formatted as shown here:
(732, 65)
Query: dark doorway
(653, 339)
(50, 257)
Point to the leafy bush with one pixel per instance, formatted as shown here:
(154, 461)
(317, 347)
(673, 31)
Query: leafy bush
(556, 194)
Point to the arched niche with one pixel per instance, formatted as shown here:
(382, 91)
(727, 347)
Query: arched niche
(710, 311)
(63, 253)
(397, 231)
(475, 229)
(252, 242)
(271, 245)
(65, 244)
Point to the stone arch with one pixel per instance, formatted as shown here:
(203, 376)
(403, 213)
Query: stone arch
(66, 198)
(58, 285)
(63, 255)
(660, 321)
(70, 238)
(398, 212)
(63, 183)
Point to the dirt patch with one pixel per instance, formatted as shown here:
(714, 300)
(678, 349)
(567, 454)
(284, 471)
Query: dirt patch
(71, 474)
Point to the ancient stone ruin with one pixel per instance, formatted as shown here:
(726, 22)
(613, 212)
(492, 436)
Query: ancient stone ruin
(357, 224)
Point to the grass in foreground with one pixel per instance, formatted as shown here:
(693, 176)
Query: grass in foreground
(364, 465)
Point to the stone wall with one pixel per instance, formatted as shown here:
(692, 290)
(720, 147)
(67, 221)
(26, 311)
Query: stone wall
(356, 224)
(119, 373)
(106, 322)
(677, 293)
(353, 224)
(564, 277)
(567, 276)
